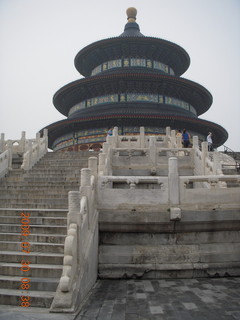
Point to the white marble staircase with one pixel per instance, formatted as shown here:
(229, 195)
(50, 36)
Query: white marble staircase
(42, 193)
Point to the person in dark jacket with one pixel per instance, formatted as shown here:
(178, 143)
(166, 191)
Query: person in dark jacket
(185, 138)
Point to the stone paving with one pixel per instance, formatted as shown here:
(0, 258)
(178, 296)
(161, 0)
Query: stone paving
(164, 299)
(173, 299)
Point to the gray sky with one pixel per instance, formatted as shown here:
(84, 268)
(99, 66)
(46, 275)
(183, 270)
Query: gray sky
(40, 38)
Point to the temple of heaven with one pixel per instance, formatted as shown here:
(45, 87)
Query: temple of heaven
(130, 81)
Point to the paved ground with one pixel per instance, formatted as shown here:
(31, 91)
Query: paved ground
(164, 299)
(182, 299)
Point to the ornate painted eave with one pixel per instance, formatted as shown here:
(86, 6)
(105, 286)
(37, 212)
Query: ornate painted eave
(109, 83)
(194, 124)
(145, 47)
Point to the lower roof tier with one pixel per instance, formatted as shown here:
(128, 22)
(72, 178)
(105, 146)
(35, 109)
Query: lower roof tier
(80, 128)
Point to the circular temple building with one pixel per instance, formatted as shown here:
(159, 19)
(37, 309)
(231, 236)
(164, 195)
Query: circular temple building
(130, 81)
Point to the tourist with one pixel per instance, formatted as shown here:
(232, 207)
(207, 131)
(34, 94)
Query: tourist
(179, 140)
(110, 132)
(185, 138)
(179, 133)
(210, 142)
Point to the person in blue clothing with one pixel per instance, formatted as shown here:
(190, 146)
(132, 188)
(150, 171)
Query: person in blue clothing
(185, 138)
(110, 132)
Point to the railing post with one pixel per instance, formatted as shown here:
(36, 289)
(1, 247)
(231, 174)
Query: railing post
(168, 131)
(173, 138)
(74, 208)
(45, 136)
(217, 168)
(204, 156)
(9, 148)
(173, 181)
(92, 165)
(115, 137)
(85, 190)
(85, 177)
(142, 137)
(195, 142)
(167, 137)
(179, 141)
(152, 151)
(101, 164)
(22, 144)
(2, 143)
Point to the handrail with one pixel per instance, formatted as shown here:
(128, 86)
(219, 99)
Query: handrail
(234, 155)
(5, 162)
(80, 259)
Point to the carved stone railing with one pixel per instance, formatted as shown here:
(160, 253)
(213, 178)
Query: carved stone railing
(193, 191)
(32, 150)
(35, 150)
(17, 146)
(80, 262)
(173, 190)
(5, 162)
(121, 192)
(133, 141)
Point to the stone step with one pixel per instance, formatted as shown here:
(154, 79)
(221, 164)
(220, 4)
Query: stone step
(33, 195)
(35, 229)
(45, 172)
(37, 187)
(44, 185)
(35, 220)
(71, 155)
(60, 161)
(55, 177)
(47, 238)
(33, 257)
(33, 213)
(33, 246)
(47, 178)
(42, 180)
(36, 270)
(41, 284)
(63, 158)
(56, 171)
(21, 202)
(35, 205)
(61, 166)
(41, 299)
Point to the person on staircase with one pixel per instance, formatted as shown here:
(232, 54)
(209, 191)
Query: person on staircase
(185, 138)
(210, 141)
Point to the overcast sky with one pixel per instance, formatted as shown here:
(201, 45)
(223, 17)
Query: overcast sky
(39, 40)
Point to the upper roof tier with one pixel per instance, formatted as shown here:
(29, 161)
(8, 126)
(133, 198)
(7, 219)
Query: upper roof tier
(132, 44)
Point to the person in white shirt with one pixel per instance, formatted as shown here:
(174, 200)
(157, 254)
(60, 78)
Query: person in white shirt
(210, 142)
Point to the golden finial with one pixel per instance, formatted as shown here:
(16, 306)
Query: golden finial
(131, 14)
